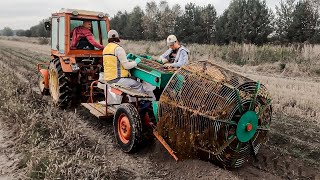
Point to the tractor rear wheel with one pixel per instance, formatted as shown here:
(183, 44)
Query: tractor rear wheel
(59, 85)
(127, 127)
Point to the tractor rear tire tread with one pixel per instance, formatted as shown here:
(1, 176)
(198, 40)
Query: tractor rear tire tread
(64, 85)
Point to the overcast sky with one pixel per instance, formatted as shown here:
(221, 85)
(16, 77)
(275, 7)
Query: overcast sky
(22, 14)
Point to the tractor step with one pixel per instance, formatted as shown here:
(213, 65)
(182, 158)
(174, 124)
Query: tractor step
(99, 110)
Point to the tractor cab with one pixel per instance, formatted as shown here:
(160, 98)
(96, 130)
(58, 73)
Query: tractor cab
(69, 73)
(66, 20)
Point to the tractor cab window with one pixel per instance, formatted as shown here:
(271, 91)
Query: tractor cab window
(58, 34)
(98, 29)
(61, 35)
(104, 32)
(54, 33)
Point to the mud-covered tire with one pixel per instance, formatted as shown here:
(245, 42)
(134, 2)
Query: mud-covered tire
(44, 91)
(59, 85)
(127, 128)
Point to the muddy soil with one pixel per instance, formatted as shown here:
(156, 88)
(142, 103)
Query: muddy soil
(292, 152)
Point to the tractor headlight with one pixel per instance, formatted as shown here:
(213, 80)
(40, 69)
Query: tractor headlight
(75, 13)
(100, 15)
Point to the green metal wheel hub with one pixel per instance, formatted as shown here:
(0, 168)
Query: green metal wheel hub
(247, 126)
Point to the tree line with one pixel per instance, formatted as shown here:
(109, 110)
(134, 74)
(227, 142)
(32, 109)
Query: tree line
(35, 31)
(244, 21)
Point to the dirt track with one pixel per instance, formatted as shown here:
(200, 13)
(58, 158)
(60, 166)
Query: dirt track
(293, 151)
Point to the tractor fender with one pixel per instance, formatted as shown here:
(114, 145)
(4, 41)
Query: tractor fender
(45, 74)
(66, 63)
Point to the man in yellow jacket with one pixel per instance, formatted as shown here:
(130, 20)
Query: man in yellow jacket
(116, 65)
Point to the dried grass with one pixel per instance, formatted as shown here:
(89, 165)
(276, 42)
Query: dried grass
(53, 145)
(294, 60)
(293, 97)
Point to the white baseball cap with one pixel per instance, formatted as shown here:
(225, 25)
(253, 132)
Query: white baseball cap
(171, 39)
(113, 34)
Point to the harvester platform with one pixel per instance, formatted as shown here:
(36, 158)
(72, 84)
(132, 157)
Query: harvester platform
(99, 110)
(119, 89)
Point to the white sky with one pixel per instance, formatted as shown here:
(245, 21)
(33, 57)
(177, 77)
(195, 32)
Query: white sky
(22, 14)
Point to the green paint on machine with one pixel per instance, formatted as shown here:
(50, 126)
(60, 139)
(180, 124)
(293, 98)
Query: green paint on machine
(155, 107)
(247, 126)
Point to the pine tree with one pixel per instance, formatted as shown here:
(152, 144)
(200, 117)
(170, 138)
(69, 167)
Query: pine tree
(176, 13)
(208, 21)
(221, 29)
(245, 21)
(304, 22)
(284, 19)
(150, 21)
(119, 23)
(236, 21)
(133, 28)
(166, 19)
(258, 22)
(189, 27)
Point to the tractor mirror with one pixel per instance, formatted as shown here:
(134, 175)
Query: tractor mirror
(47, 25)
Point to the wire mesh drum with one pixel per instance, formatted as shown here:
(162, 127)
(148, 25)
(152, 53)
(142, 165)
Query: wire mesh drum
(208, 109)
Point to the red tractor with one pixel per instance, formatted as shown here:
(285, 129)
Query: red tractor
(69, 73)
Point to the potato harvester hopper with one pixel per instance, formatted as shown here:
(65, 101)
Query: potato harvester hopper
(206, 109)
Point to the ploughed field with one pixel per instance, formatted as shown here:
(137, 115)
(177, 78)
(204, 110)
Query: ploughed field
(41, 141)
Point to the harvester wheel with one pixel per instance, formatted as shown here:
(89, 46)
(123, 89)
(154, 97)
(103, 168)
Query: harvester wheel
(127, 127)
(59, 85)
(43, 90)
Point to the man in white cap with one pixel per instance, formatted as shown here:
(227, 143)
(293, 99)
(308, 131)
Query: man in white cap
(116, 65)
(176, 55)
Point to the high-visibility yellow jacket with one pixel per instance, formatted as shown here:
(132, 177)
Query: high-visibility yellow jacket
(113, 69)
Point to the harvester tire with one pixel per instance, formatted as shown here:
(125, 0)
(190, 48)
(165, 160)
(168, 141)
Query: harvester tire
(127, 128)
(59, 85)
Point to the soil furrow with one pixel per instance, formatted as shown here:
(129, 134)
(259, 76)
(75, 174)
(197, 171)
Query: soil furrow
(16, 61)
(21, 65)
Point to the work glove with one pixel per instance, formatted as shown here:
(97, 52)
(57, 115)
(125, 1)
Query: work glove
(129, 56)
(158, 61)
(164, 60)
(167, 65)
(148, 57)
(137, 60)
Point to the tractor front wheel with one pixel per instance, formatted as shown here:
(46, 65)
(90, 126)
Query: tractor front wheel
(59, 85)
(127, 127)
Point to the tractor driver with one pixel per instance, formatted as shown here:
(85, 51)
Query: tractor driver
(82, 37)
(176, 56)
(116, 65)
